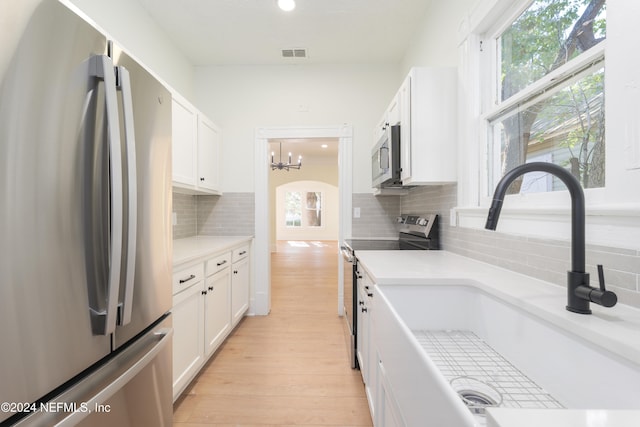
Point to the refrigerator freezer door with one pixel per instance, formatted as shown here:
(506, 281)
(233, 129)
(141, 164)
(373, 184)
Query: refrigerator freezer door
(133, 389)
(151, 197)
(54, 189)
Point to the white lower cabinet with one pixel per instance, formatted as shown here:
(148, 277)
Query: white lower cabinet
(240, 280)
(217, 312)
(366, 349)
(210, 297)
(388, 414)
(188, 347)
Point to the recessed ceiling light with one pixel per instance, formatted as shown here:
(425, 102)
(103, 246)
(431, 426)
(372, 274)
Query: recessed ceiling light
(324, 145)
(286, 5)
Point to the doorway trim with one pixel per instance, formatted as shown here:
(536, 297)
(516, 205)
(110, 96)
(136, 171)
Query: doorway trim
(261, 244)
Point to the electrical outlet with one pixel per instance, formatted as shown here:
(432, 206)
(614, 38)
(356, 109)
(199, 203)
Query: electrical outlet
(174, 218)
(356, 212)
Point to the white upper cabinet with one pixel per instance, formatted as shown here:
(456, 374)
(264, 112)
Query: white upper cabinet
(196, 150)
(208, 155)
(427, 104)
(390, 117)
(184, 140)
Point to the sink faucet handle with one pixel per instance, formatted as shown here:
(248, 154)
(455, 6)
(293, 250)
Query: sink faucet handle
(601, 277)
(602, 296)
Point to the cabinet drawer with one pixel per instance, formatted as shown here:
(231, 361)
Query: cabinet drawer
(218, 263)
(186, 277)
(240, 253)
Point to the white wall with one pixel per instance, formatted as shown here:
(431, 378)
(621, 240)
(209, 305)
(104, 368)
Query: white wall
(436, 42)
(329, 228)
(127, 23)
(242, 98)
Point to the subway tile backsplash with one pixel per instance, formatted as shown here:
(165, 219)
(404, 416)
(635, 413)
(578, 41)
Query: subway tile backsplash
(229, 215)
(232, 214)
(377, 216)
(184, 210)
(544, 259)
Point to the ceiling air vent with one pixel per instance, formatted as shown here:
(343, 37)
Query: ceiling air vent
(294, 53)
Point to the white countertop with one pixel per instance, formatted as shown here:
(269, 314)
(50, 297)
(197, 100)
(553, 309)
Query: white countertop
(192, 249)
(561, 418)
(617, 329)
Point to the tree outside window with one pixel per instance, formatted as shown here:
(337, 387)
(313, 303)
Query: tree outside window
(564, 120)
(293, 209)
(310, 216)
(314, 209)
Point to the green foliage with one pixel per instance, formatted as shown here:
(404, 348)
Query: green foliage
(535, 43)
(548, 34)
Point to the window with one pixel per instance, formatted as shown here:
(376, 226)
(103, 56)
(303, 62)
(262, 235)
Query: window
(293, 209)
(548, 103)
(314, 209)
(310, 216)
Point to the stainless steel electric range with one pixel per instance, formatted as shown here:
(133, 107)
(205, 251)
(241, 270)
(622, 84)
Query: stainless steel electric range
(417, 232)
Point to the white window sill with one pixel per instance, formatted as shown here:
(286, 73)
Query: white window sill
(616, 226)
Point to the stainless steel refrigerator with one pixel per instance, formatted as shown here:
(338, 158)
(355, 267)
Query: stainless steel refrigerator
(85, 232)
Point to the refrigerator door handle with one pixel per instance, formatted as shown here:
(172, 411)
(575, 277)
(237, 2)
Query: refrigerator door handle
(102, 68)
(123, 84)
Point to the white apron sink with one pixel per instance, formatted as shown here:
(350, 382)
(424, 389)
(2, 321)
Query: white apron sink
(430, 335)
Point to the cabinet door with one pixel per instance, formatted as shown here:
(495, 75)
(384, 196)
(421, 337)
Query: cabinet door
(363, 333)
(371, 355)
(183, 140)
(405, 128)
(393, 111)
(388, 414)
(188, 351)
(217, 316)
(208, 155)
(240, 289)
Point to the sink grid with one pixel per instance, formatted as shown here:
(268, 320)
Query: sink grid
(463, 354)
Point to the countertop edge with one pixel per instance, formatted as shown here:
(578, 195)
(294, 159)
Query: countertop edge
(191, 250)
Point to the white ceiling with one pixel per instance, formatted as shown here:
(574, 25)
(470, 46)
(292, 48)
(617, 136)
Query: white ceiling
(251, 32)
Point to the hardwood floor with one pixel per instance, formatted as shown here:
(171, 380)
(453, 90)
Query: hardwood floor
(289, 368)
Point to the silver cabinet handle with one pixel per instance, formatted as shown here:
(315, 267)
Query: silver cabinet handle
(123, 83)
(191, 277)
(242, 253)
(101, 67)
(221, 263)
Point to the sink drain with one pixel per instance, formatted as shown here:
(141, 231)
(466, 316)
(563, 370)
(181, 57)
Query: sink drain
(476, 395)
(476, 401)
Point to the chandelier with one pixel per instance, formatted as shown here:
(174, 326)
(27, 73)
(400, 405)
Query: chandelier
(285, 166)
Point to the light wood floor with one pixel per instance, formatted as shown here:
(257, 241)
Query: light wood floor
(289, 368)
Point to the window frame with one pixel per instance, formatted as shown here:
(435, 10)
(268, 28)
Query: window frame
(613, 211)
(492, 108)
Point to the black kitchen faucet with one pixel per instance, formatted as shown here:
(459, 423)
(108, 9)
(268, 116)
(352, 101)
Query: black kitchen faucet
(579, 293)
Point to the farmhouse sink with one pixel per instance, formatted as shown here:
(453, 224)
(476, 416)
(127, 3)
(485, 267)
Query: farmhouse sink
(440, 343)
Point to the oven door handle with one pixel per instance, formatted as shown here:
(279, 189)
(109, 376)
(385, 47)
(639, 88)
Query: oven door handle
(346, 253)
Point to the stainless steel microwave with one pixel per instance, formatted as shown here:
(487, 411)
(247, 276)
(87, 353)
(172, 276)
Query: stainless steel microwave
(385, 159)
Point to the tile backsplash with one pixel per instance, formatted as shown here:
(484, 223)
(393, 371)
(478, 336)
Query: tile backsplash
(229, 215)
(544, 259)
(377, 216)
(232, 214)
(185, 214)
